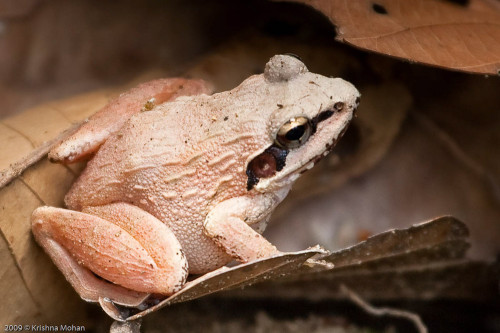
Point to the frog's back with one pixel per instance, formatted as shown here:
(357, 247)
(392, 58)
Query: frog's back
(146, 142)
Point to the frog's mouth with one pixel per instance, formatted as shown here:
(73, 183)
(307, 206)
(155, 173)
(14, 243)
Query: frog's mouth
(329, 147)
(312, 162)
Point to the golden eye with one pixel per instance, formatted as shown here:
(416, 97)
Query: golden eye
(294, 133)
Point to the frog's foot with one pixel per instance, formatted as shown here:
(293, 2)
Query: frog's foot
(111, 118)
(119, 243)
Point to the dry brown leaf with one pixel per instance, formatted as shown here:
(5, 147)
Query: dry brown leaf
(30, 282)
(395, 243)
(28, 136)
(425, 261)
(33, 280)
(459, 35)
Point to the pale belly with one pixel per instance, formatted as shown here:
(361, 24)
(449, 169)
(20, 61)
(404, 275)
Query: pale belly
(202, 254)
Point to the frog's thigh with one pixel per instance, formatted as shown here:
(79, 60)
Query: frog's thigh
(119, 242)
(228, 226)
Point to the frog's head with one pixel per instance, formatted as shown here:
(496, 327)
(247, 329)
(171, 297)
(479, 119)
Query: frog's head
(309, 113)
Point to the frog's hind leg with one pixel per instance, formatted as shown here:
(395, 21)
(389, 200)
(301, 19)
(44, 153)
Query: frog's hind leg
(91, 135)
(118, 242)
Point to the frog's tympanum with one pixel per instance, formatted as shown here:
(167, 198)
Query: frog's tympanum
(182, 182)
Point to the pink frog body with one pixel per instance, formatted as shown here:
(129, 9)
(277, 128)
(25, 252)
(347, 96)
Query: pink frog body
(184, 182)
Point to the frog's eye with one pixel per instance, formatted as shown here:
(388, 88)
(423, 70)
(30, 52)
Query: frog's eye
(294, 133)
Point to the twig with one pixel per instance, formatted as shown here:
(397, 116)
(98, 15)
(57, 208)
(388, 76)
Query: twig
(17, 168)
(413, 317)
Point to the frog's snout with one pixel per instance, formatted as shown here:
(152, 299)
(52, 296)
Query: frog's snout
(283, 67)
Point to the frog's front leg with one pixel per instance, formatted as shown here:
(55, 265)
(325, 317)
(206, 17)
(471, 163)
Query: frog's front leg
(229, 225)
(118, 242)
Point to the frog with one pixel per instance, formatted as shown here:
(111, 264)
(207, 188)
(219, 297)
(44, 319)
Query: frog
(180, 180)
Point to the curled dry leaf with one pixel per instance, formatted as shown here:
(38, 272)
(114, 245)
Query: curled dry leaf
(459, 35)
(444, 238)
(425, 261)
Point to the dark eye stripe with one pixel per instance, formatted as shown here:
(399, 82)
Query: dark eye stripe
(321, 117)
(324, 115)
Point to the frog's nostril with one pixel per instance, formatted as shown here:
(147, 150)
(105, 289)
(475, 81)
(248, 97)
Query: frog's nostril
(338, 106)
